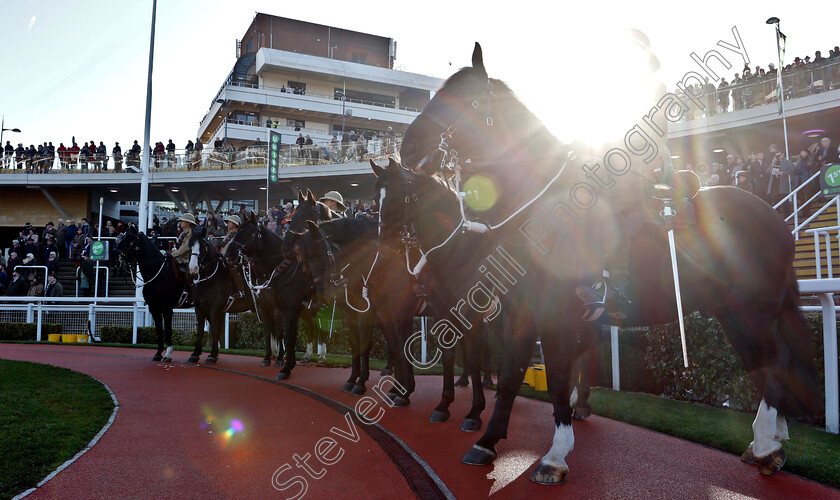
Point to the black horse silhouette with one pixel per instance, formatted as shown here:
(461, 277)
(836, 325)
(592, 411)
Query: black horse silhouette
(735, 263)
(214, 293)
(162, 291)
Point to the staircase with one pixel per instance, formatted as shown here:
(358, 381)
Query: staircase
(119, 284)
(805, 261)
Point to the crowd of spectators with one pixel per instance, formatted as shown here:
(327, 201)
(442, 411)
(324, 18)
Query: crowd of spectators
(755, 87)
(45, 247)
(768, 174)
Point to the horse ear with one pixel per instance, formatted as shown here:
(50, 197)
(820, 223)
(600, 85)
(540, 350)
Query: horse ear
(478, 59)
(313, 227)
(377, 170)
(393, 166)
(310, 197)
(301, 197)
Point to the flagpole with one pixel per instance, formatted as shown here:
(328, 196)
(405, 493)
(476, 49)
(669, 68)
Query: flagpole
(781, 97)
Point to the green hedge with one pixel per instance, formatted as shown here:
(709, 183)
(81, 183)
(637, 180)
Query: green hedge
(715, 375)
(633, 367)
(145, 335)
(28, 331)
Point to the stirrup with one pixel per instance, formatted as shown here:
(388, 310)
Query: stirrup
(594, 298)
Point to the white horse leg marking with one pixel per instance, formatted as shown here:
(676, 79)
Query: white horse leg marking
(564, 442)
(781, 429)
(322, 350)
(381, 201)
(168, 353)
(765, 431)
(275, 346)
(194, 259)
(573, 399)
(308, 350)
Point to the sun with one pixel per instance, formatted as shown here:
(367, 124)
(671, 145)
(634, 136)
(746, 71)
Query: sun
(598, 101)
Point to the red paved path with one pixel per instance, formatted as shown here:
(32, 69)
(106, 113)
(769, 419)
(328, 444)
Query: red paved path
(160, 445)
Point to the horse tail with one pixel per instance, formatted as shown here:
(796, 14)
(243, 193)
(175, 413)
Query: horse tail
(801, 386)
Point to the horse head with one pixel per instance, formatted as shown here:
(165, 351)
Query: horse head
(458, 122)
(308, 209)
(126, 249)
(409, 201)
(245, 242)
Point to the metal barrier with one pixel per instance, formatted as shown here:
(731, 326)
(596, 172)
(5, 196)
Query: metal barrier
(96, 269)
(80, 315)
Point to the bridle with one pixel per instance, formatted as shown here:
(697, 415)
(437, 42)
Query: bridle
(197, 255)
(123, 262)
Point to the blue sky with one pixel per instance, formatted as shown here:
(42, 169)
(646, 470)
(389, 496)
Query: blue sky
(79, 67)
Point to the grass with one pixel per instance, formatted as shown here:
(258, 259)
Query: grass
(812, 453)
(48, 414)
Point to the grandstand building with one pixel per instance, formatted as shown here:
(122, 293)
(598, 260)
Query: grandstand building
(337, 87)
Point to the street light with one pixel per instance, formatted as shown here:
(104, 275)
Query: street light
(225, 102)
(3, 129)
(781, 97)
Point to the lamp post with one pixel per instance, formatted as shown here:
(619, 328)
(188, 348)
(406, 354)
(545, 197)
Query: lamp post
(775, 21)
(3, 129)
(225, 102)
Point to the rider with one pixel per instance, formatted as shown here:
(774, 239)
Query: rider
(233, 222)
(335, 202)
(181, 252)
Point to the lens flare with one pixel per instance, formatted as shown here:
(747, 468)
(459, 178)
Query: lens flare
(481, 193)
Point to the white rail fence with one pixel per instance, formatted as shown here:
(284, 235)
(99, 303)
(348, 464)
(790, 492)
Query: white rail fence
(81, 316)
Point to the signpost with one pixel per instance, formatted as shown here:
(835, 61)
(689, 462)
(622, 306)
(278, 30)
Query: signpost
(273, 165)
(830, 180)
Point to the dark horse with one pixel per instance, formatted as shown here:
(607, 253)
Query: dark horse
(735, 262)
(214, 294)
(338, 254)
(162, 291)
(290, 288)
(342, 257)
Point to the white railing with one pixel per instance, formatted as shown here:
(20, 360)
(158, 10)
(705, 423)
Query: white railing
(80, 315)
(793, 199)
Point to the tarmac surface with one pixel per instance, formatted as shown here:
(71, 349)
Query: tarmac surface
(230, 431)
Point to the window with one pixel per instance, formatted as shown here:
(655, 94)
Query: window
(295, 123)
(245, 117)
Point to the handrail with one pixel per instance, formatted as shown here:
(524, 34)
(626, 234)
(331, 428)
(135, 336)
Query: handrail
(793, 196)
(817, 253)
(816, 214)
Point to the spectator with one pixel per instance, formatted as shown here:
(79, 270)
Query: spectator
(36, 289)
(60, 231)
(18, 286)
(49, 230)
(117, 154)
(759, 175)
(49, 247)
(77, 247)
(16, 248)
(52, 263)
(723, 95)
(13, 262)
(827, 154)
(101, 157)
(63, 155)
(69, 236)
(86, 276)
(170, 153)
(4, 278)
(53, 288)
(742, 180)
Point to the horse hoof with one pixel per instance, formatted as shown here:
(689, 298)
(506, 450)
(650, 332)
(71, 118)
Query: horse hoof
(386, 372)
(471, 425)
(167, 359)
(282, 376)
(347, 387)
(478, 455)
(211, 360)
(305, 359)
(266, 362)
(747, 457)
(192, 359)
(487, 383)
(278, 363)
(462, 382)
(358, 390)
(322, 361)
(581, 413)
(771, 463)
(439, 416)
(549, 474)
(400, 401)
(157, 357)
